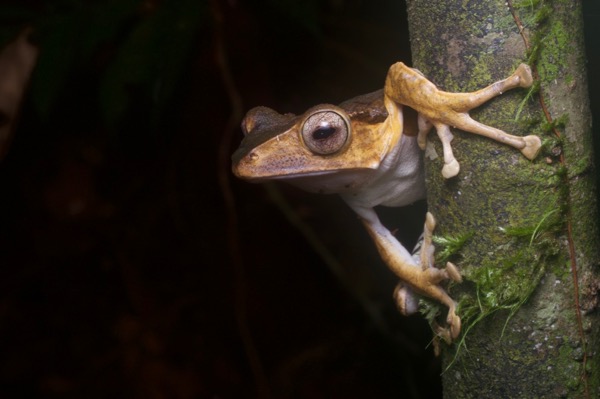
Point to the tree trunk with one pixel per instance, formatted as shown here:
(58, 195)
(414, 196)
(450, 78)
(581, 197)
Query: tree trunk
(529, 300)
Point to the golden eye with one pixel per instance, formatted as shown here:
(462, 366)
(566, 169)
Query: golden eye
(325, 132)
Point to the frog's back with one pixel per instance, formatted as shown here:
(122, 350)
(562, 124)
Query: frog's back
(368, 108)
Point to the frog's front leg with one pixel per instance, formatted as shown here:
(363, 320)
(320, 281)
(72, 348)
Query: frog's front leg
(423, 279)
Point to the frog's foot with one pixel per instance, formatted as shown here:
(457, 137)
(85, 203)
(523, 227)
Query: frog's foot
(523, 73)
(429, 285)
(532, 146)
(451, 169)
(426, 251)
(408, 303)
(428, 281)
(419, 275)
(454, 323)
(450, 272)
(406, 300)
(452, 319)
(452, 331)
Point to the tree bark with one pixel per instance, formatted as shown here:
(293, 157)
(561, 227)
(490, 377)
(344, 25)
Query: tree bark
(529, 300)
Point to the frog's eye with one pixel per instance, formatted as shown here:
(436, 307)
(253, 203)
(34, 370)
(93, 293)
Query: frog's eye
(325, 132)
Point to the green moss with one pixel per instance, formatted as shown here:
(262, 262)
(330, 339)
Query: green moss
(548, 221)
(580, 166)
(533, 90)
(480, 72)
(505, 283)
(557, 123)
(525, 4)
(551, 44)
(450, 245)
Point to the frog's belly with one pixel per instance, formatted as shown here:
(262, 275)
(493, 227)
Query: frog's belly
(399, 180)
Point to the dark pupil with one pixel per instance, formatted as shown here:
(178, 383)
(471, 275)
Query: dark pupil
(323, 132)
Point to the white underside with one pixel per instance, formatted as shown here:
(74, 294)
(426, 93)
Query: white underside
(399, 180)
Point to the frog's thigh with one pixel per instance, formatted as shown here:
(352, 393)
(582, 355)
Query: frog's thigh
(464, 102)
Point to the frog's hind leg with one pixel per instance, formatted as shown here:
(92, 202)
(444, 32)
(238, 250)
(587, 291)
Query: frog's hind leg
(463, 102)
(528, 145)
(457, 106)
(423, 279)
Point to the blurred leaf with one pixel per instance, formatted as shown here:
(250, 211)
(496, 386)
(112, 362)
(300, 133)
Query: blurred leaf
(68, 38)
(152, 58)
(12, 20)
(304, 13)
(57, 44)
(105, 23)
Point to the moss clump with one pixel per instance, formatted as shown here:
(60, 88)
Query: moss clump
(505, 285)
(450, 245)
(551, 44)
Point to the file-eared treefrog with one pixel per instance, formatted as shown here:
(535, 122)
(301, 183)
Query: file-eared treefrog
(367, 149)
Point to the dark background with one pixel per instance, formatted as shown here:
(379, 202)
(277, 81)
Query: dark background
(133, 264)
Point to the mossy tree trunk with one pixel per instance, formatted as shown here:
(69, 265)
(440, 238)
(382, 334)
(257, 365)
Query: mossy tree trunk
(529, 299)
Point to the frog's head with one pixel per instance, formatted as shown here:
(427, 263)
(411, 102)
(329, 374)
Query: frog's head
(327, 139)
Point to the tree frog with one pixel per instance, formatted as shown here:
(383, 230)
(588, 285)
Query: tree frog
(368, 150)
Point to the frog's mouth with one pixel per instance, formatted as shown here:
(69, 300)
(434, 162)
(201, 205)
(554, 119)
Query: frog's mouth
(323, 182)
(333, 182)
(286, 168)
(291, 176)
